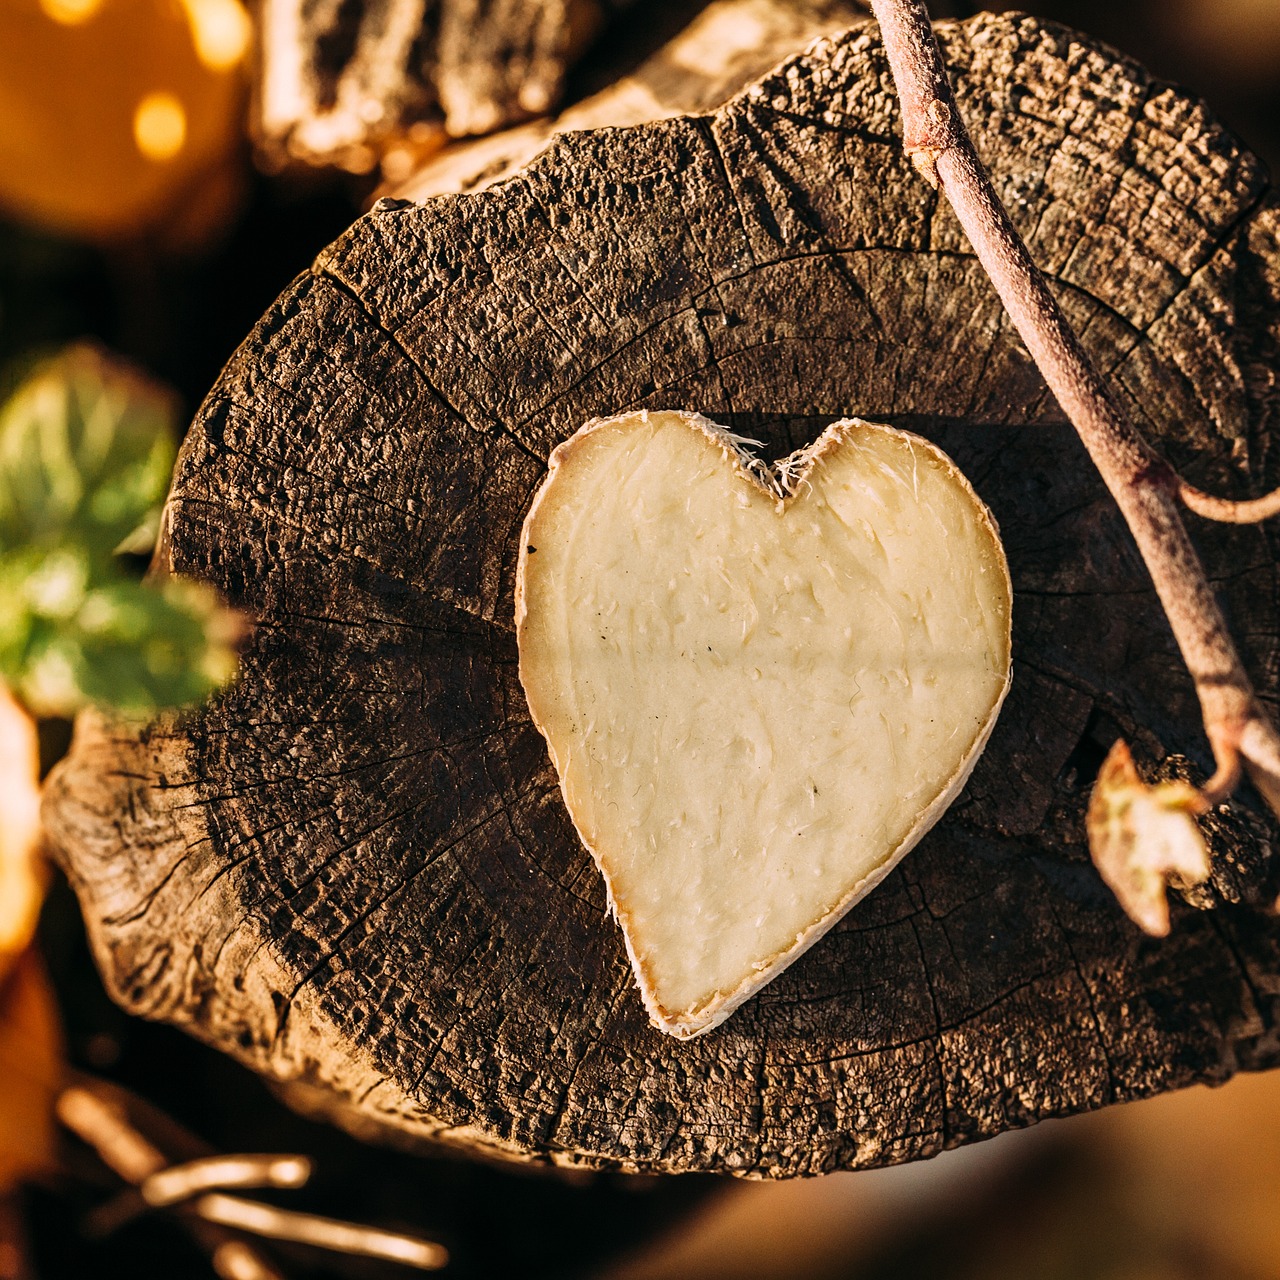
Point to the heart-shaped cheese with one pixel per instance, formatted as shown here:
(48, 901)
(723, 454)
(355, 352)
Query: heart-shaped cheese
(760, 686)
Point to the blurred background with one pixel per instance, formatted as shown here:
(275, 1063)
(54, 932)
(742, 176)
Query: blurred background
(164, 173)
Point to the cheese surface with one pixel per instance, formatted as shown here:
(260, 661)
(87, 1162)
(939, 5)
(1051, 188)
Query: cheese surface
(759, 686)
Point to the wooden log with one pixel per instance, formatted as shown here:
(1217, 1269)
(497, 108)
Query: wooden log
(727, 46)
(354, 870)
(343, 83)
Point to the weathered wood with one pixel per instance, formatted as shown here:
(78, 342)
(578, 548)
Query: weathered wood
(343, 82)
(355, 869)
(727, 46)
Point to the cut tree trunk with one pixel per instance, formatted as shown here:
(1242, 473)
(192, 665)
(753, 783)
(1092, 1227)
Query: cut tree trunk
(727, 46)
(354, 870)
(344, 83)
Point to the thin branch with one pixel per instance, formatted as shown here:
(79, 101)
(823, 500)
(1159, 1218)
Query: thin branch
(237, 1260)
(1227, 510)
(97, 1119)
(182, 1182)
(323, 1233)
(1144, 486)
(91, 1113)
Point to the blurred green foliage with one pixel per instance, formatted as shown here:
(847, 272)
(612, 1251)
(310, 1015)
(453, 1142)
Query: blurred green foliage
(86, 451)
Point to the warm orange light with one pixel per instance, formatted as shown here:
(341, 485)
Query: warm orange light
(71, 13)
(21, 887)
(159, 126)
(219, 30)
(121, 116)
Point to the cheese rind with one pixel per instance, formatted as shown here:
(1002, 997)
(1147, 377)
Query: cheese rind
(759, 686)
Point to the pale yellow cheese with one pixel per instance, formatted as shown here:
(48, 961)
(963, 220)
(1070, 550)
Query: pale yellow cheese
(759, 686)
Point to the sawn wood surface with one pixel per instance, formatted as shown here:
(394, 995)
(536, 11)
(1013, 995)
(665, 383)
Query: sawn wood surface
(355, 871)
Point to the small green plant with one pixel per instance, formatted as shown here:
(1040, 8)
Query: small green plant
(86, 451)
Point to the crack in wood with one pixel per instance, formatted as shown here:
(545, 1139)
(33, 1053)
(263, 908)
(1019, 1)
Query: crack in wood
(281, 840)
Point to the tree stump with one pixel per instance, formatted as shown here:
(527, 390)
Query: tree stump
(342, 84)
(354, 869)
(724, 48)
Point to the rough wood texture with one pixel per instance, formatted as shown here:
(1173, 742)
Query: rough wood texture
(727, 46)
(342, 82)
(355, 869)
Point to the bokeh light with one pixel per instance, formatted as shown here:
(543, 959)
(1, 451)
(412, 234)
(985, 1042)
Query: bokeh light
(159, 126)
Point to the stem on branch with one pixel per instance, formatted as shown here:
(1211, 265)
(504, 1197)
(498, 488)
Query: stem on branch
(91, 1112)
(1226, 510)
(1145, 487)
(181, 1182)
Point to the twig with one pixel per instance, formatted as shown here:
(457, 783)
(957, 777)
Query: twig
(1145, 487)
(236, 1260)
(120, 1146)
(91, 1113)
(324, 1233)
(100, 1122)
(184, 1181)
(1227, 510)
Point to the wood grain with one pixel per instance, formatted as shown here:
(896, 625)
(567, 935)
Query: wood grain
(355, 870)
(344, 83)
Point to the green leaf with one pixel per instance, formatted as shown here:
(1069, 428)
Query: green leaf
(141, 647)
(86, 450)
(85, 455)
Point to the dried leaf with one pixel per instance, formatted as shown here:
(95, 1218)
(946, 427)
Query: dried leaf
(1144, 838)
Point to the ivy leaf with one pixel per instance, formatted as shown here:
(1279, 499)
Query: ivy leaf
(86, 450)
